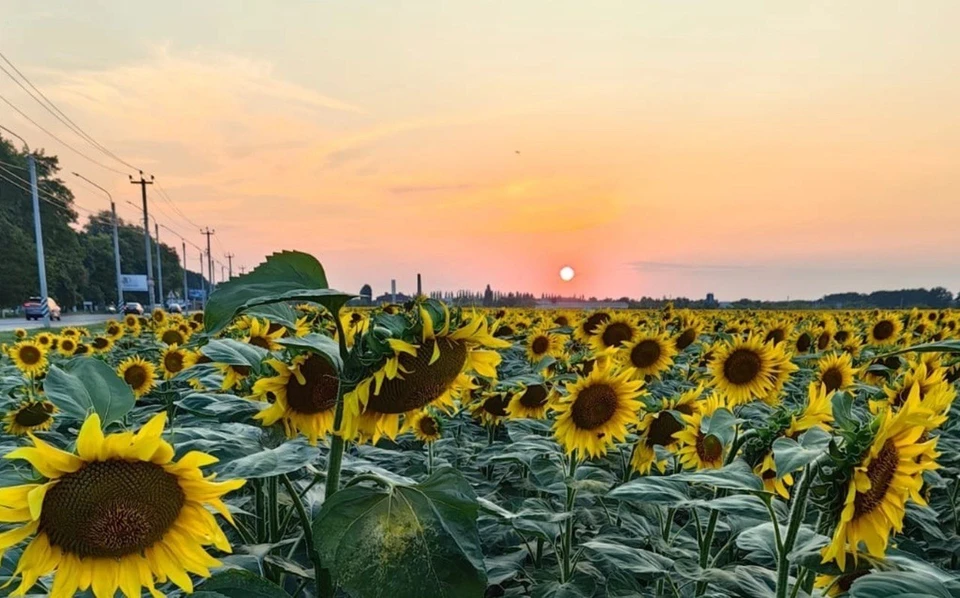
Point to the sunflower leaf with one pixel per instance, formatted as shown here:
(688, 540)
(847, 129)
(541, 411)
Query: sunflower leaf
(417, 540)
(89, 386)
(320, 344)
(790, 455)
(237, 583)
(234, 352)
(286, 458)
(285, 276)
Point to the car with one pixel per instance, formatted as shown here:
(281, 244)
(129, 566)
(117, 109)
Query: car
(132, 307)
(32, 309)
(175, 308)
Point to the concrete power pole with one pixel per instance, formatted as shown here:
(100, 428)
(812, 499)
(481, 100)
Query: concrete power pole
(230, 257)
(186, 293)
(159, 265)
(208, 233)
(38, 232)
(203, 283)
(146, 233)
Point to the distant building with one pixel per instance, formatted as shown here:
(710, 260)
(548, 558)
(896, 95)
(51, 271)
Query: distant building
(710, 301)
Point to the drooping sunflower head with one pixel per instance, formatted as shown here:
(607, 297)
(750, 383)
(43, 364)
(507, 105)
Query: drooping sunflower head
(744, 370)
(615, 333)
(171, 334)
(29, 357)
(698, 449)
(66, 346)
(139, 374)
(690, 328)
(491, 408)
(596, 412)
(173, 360)
(649, 354)
(657, 428)
(817, 413)
(30, 417)
(82, 349)
(766, 470)
(303, 396)
(120, 514)
(531, 401)
(884, 331)
(542, 343)
(836, 371)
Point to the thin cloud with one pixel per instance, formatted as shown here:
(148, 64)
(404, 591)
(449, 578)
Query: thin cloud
(407, 189)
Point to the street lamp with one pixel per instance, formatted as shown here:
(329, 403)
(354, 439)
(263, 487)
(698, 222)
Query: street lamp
(116, 241)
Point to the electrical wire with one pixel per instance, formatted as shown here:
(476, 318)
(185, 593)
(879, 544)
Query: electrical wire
(45, 197)
(163, 194)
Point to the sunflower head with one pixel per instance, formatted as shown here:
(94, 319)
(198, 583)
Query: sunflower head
(132, 322)
(173, 360)
(20, 333)
(101, 344)
(616, 332)
(29, 357)
(589, 324)
(596, 412)
(491, 408)
(66, 346)
(747, 369)
(698, 449)
(884, 331)
(836, 371)
(139, 374)
(303, 396)
(427, 427)
(531, 401)
(172, 335)
(113, 329)
(542, 343)
(45, 340)
(158, 316)
(32, 416)
(650, 354)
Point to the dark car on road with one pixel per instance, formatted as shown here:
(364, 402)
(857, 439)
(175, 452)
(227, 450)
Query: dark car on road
(132, 308)
(32, 309)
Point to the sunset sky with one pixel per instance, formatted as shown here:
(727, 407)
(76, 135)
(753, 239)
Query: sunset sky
(749, 149)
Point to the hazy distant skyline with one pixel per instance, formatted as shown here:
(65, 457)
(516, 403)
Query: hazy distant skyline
(748, 149)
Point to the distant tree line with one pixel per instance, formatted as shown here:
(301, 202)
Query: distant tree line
(79, 258)
(937, 297)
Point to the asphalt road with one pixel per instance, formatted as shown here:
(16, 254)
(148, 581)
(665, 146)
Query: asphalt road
(8, 324)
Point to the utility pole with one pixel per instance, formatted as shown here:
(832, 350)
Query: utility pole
(243, 270)
(222, 272)
(156, 227)
(116, 241)
(208, 233)
(38, 232)
(230, 264)
(146, 233)
(203, 284)
(186, 293)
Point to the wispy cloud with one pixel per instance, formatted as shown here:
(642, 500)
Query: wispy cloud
(406, 189)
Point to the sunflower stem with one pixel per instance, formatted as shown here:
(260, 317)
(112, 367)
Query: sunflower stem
(259, 506)
(273, 508)
(797, 512)
(567, 572)
(323, 581)
(429, 458)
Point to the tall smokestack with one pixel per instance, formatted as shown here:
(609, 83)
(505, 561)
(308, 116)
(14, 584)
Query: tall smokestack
(419, 285)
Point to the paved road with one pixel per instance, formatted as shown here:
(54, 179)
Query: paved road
(7, 324)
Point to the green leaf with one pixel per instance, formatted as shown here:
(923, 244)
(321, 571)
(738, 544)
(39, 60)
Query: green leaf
(233, 352)
(320, 344)
(237, 583)
(937, 347)
(903, 584)
(790, 455)
(621, 557)
(286, 458)
(736, 476)
(285, 276)
(842, 403)
(655, 490)
(404, 541)
(579, 587)
(222, 407)
(89, 385)
(721, 424)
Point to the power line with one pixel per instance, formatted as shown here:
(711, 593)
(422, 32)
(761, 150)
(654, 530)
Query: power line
(12, 165)
(57, 113)
(64, 143)
(168, 199)
(44, 196)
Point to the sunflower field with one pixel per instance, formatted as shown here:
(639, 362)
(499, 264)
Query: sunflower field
(284, 444)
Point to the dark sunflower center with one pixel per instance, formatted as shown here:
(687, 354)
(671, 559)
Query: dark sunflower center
(645, 353)
(709, 448)
(832, 379)
(113, 330)
(241, 370)
(67, 344)
(883, 330)
(776, 336)
(30, 355)
(534, 397)
(768, 474)
(846, 580)
(742, 366)
(428, 426)
(561, 321)
(842, 336)
(804, 342)
(172, 337)
(616, 334)
(43, 340)
(135, 376)
(496, 405)
(540, 345)
(198, 317)
(109, 509)
(260, 341)
(594, 406)
(662, 429)
(173, 361)
(504, 330)
(425, 382)
(686, 339)
(100, 343)
(33, 414)
(823, 341)
(82, 349)
(320, 391)
(594, 321)
(880, 472)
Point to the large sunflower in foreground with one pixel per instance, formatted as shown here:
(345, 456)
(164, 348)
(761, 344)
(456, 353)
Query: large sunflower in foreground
(650, 354)
(698, 450)
(304, 395)
(836, 371)
(889, 474)
(543, 343)
(32, 416)
(139, 374)
(29, 357)
(120, 514)
(596, 411)
(432, 372)
(657, 428)
(748, 369)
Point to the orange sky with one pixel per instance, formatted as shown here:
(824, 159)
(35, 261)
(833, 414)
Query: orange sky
(743, 148)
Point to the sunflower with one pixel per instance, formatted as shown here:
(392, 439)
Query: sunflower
(889, 474)
(132, 322)
(777, 332)
(120, 514)
(690, 328)
(20, 333)
(173, 361)
(113, 329)
(803, 340)
(304, 396)
(29, 357)
(657, 428)
(589, 325)
(885, 331)
(353, 323)
(649, 355)
(66, 346)
(530, 402)
(32, 416)
(45, 340)
(101, 344)
(171, 335)
(818, 413)
(70, 332)
(836, 371)
(197, 317)
(562, 319)
(616, 332)
(491, 408)
(426, 427)
(772, 483)
(139, 374)
(82, 349)
(433, 372)
(748, 369)
(263, 334)
(698, 450)
(542, 343)
(158, 317)
(596, 411)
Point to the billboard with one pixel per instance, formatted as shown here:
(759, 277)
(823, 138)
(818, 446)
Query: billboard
(133, 282)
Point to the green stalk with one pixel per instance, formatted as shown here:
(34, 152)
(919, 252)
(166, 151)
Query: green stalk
(429, 458)
(260, 510)
(273, 507)
(566, 572)
(797, 511)
(337, 444)
(324, 584)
